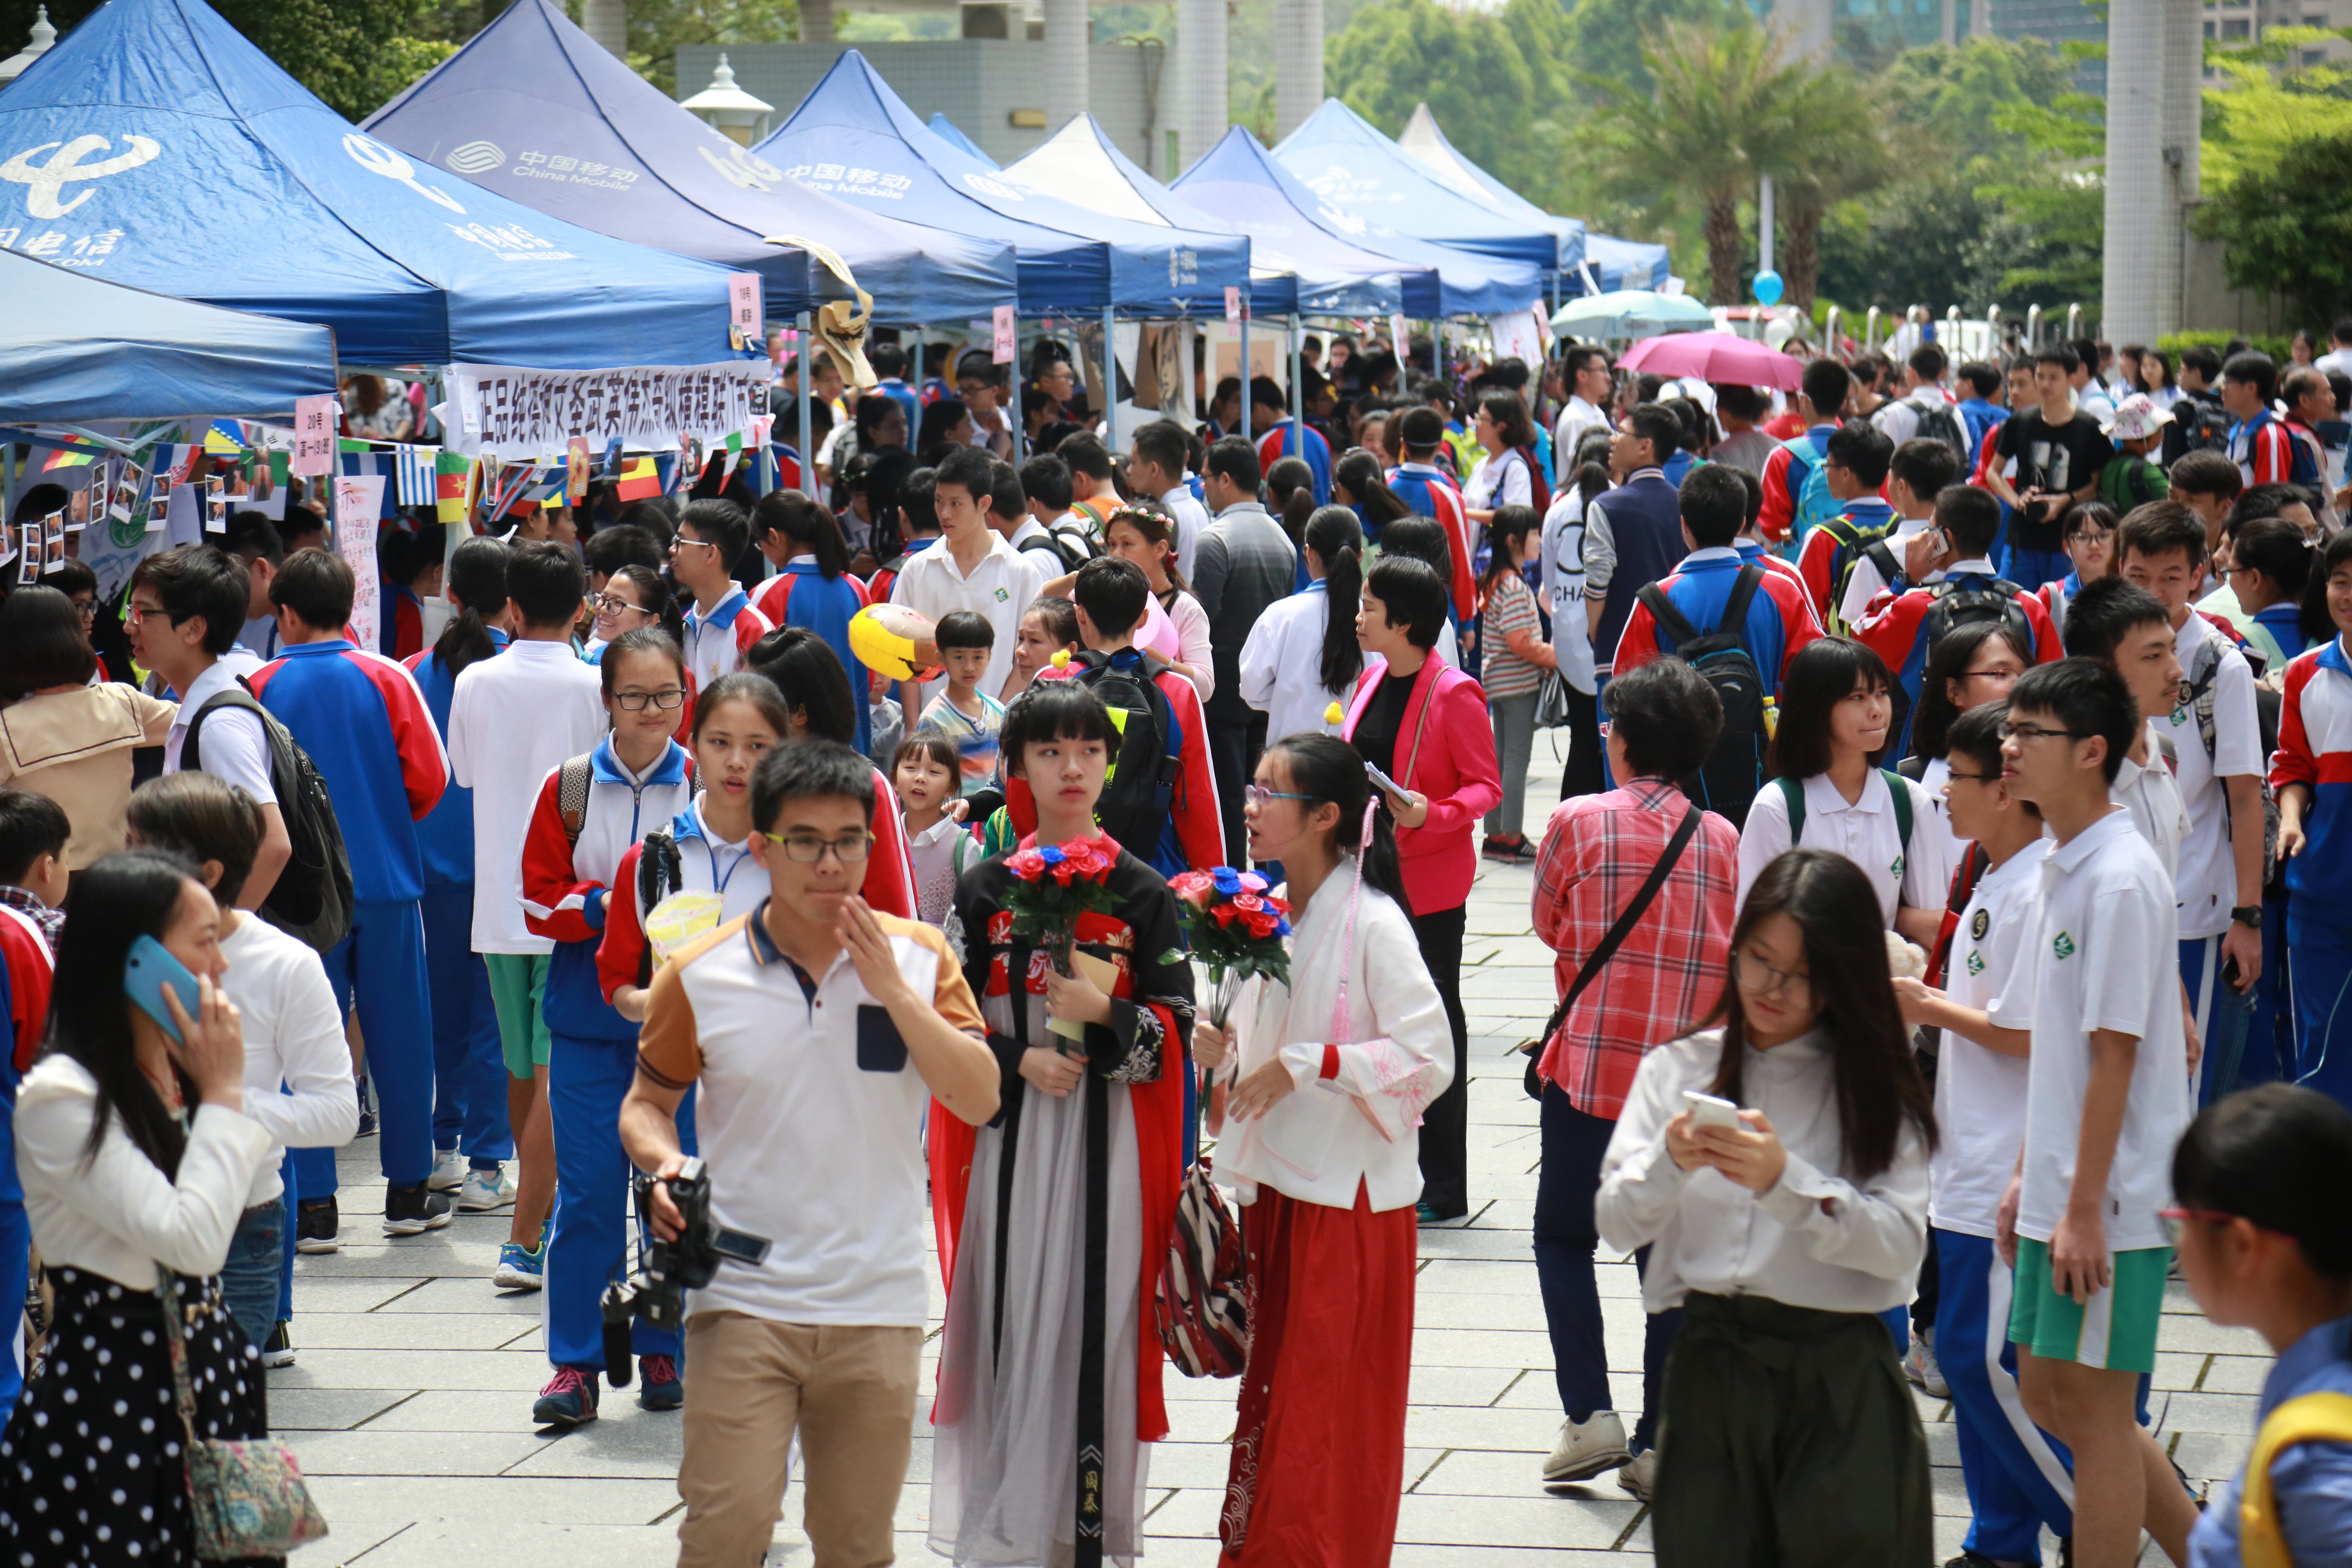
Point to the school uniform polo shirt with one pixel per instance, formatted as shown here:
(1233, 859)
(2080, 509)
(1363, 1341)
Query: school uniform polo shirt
(810, 1117)
(1865, 831)
(2105, 957)
(2206, 883)
(2152, 795)
(716, 642)
(1980, 1094)
(234, 748)
(1003, 583)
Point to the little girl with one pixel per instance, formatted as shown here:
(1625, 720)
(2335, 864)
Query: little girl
(923, 773)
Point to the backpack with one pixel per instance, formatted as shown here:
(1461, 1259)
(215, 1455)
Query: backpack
(2128, 482)
(1140, 787)
(312, 900)
(1898, 789)
(1727, 781)
(2197, 692)
(1852, 540)
(2203, 427)
(1940, 421)
(1072, 546)
(1815, 505)
(1954, 607)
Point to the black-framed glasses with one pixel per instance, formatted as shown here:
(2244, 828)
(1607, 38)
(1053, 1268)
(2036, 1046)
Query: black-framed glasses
(1999, 676)
(635, 701)
(613, 605)
(1754, 974)
(2035, 733)
(1974, 778)
(850, 850)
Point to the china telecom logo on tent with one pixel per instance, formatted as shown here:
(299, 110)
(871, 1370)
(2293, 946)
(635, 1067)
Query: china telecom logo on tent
(46, 181)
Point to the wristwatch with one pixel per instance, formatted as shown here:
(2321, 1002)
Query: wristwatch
(2250, 916)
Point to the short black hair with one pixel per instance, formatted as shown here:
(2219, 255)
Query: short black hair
(887, 360)
(252, 535)
(31, 825)
(2272, 1156)
(2087, 697)
(2158, 529)
(1927, 465)
(721, 522)
(1928, 362)
(317, 585)
(2200, 358)
(622, 544)
(1982, 379)
(2067, 361)
(2101, 612)
(1235, 459)
(1753, 483)
(1862, 449)
(1826, 386)
(1411, 593)
(1714, 508)
(658, 515)
(2255, 368)
(1045, 480)
(809, 769)
(1111, 590)
(199, 580)
(1005, 496)
(915, 507)
(970, 469)
(1661, 426)
(205, 818)
(1086, 454)
(1666, 716)
(2206, 474)
(1417, 538)
(1969, 518)
(1975, 735)
(546, 582)
(963, 628)
(1053, 710)
(1161, 443)
(1422, 428)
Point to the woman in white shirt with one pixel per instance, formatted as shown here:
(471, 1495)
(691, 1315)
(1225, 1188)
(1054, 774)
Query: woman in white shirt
(1782, 1231)
(1299, 658)
(1506, 475)
(1331, 1074)
(1836, 713)
(297, 1067)
(137, 1157)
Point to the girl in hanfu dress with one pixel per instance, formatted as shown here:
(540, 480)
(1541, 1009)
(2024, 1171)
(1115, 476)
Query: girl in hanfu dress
(1055, 1218)
(1332, 1073)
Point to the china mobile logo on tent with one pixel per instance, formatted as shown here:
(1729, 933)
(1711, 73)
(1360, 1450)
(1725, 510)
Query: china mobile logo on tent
(47, 180)
(474, 157)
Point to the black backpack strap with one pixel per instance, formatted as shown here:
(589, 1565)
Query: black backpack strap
(1662, 610)
(239, 696)
(1877, 554)
(1622, 927)
(1734, 620)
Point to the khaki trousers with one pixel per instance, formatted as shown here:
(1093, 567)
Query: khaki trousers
(849, 1391)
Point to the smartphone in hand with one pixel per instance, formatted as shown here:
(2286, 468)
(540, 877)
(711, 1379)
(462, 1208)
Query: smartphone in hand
(147, 971)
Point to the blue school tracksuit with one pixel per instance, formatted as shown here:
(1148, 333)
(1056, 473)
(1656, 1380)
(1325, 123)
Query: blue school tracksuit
(26, 977)
(368, 731)
(2316, 750)
(2017, 1476)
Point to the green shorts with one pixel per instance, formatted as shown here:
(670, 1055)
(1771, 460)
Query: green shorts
(2115, 1329)
(519, 991)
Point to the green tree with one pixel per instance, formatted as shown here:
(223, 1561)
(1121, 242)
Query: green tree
(2289, 227)
(1840, 153)
(1603, 38)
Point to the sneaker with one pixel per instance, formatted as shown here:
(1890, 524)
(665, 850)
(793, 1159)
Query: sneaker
(520, 1270)
(1919, 1366)
(315, 1224)
(410, 1211)
(1586, 1448)
(1426, 1213)
(278, 1349)
(659, 1387)
(569, 1398)
(448, 1171)
(1640, 1474)
(367, 1107)
(485, 1191)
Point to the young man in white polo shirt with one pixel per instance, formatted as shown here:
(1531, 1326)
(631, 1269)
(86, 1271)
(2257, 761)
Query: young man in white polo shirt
(2107, 1099)
(1156, 466)
(2219, 884)
(971, 568)
(2125, 628)
(816, 1028)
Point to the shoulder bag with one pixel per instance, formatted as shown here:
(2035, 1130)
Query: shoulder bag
(245, 1496)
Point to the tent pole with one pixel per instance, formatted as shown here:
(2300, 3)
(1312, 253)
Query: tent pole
(1014, 427)
(1244, 367)
(917, 379)
(1295, 444)
(1110, 377)
(808, 420)
(8, 480)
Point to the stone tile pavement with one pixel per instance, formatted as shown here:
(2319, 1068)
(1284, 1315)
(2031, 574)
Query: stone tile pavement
(410, 1401)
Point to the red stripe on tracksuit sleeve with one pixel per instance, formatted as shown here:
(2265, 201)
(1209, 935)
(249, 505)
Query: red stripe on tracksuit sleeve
(2293, 763)
(1199, 828)
(889, 868)
(548, 878)
(424, 765)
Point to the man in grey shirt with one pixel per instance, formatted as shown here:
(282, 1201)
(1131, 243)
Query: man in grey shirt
(1245, 564)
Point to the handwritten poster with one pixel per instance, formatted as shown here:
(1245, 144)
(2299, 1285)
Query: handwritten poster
(358, 499)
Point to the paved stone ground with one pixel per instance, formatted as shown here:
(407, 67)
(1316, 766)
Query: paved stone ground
(410, 1402)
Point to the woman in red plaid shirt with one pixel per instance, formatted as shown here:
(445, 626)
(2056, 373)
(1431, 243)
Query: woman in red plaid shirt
(1598, 851)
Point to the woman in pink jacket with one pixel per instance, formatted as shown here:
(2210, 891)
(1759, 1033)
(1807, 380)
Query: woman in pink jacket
(1423, 724)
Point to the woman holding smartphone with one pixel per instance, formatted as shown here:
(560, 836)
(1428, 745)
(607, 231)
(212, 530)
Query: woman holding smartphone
(1783, 1223)
(136, 1157)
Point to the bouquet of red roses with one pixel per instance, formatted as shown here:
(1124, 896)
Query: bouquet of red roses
(1237, 928)
(1053, 885)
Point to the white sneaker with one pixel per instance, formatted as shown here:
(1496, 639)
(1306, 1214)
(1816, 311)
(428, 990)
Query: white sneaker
(486, 1189)
(1640, 1474)
(1586, 1448)
(1919, 1366)
(448, 1170)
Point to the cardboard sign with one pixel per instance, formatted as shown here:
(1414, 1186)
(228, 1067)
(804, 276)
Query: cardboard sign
(1233, 304)
(743, 310)
(314, 436)
(1004, 350)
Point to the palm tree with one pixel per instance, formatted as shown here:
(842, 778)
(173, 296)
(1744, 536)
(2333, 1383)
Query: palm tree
(1722, 111)
(1840, 152)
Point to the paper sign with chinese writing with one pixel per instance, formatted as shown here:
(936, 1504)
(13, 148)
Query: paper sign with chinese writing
(1005, 351)
(314, 435)
(359, 498)
(743, 305)
(1233, 304)
(533, 414)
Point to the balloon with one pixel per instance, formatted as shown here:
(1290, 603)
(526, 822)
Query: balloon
(1767, 288)
(1157, 635)
(895, 641)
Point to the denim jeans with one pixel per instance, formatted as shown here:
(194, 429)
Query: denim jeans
(250, 1275)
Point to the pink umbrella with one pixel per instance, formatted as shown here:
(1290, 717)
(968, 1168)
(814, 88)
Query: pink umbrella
(1719, 357)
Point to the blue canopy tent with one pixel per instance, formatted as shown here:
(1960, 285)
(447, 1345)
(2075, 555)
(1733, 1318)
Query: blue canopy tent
(852, 125)
(1626, 263)
(950, 131)
(1424, 141)
(75, 347)
(536, 110)
(1337, 154)
(156, 146)
(1239, 183)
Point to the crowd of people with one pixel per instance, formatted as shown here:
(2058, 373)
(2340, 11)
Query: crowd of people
(615, 858)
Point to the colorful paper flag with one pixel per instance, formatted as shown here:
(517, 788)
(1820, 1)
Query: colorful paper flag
(416, 469)
(575, 470)
(223, 439)
(640, 480)
(78, 455)
(453, 476)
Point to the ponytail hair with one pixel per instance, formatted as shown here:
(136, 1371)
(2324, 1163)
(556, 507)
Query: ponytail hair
(656, 597)
(808, 524)
(477, 582)
(1335, 535)
(1511, 522)
(1325, 767)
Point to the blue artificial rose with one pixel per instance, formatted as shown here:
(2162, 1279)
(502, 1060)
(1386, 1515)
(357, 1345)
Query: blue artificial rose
(1052, 856)
(1228, 881)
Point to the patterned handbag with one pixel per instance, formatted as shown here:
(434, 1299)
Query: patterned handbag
(1202, 1304)
(245, 1496)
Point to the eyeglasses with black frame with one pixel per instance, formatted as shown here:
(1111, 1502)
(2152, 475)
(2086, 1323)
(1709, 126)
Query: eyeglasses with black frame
(850, 848)
(2010, 731)
(667, 699)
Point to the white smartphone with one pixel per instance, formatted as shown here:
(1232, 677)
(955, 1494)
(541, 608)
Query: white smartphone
(1386, 782)
(1710, 1110)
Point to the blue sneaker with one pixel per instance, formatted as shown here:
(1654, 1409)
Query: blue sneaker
(659, 1387)
(568, 1400)
(520, 1269)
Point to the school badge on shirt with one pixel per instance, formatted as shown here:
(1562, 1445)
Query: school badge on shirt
(1976, 961)
(1003, 597)
(1896, 869)
(2063, 944)
(1982, 924)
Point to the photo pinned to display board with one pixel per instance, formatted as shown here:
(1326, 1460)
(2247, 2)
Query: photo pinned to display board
(53, 531)
(77, 510)
(29, 554)
(53, 554)
(130, 482)
(162, 499)
(216, 506)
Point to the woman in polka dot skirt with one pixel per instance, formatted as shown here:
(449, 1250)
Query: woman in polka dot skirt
(136, 1156)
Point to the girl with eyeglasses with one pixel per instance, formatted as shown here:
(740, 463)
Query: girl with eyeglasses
(2090, 544)
(1054, 1220)
(584, 828)
(1780, 1232)
(634, 597)
(1973, 665)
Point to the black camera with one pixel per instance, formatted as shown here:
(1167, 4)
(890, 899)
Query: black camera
(667, 1270)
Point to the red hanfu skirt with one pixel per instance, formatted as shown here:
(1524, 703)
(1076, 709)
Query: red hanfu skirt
(1318, 1449)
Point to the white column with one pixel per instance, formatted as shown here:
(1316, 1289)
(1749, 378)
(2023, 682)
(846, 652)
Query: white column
(2184, 125)
(1951, 9)
(2138, 232)
(816, 21)
(1805, 26)
(1980, 18)
(1066, 61)
(1297, 63)
(1764, 223)
(607, 22)
(1201, 78)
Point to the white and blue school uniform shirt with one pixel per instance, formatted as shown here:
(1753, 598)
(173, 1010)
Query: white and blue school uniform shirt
(715, 642)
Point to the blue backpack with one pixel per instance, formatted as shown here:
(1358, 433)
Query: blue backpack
(1815, 505)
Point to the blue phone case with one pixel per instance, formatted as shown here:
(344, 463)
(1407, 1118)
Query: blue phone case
(148, 969)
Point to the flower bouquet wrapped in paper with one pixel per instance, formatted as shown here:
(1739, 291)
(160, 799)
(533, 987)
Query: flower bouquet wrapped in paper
(1237, 928)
